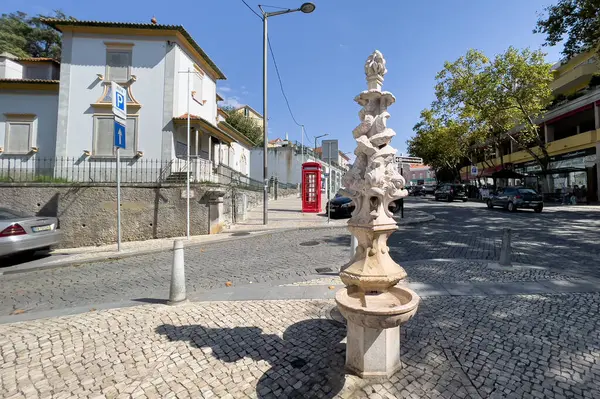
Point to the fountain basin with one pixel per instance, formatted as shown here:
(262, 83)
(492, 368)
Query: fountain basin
(388, 309)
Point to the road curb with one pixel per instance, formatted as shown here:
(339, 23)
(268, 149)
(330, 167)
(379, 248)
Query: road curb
(251, 233)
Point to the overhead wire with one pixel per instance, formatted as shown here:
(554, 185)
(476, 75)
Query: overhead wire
(287, 102)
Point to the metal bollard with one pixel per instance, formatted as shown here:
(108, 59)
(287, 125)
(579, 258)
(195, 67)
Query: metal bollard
(177, 292)
(402, 208)
(505, 250)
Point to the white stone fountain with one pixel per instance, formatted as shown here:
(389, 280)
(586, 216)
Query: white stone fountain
(373, 305)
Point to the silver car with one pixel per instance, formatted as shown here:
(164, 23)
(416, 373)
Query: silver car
(26, 233)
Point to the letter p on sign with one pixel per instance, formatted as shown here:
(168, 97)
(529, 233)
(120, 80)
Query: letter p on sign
(119, 101)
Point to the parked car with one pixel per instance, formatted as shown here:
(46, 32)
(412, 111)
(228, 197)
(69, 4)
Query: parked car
(21, 233)
(429, 190)
(343, 206)
(416, 190)
(451, 192)
(512, 198)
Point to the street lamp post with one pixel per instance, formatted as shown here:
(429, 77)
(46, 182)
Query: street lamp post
(306, 8)
(318, 137)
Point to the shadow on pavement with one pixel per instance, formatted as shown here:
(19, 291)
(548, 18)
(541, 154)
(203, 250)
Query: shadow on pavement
(152, 300)
(20, 258)
(308, 362)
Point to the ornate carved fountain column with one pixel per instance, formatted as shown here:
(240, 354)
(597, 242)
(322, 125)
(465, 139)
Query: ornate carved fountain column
(372, 304)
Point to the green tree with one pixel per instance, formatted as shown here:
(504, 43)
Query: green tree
(442, 143)
(247, 126)
(26, 36)
(499, 99)
(577, 21)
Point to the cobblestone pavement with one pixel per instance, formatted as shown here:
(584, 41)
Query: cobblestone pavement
(544, 346)
(565, 240)
(457, 271)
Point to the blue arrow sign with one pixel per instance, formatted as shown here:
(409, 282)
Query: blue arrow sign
(120, 136)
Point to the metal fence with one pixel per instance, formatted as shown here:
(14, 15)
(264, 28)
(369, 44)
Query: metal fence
(226, 175)
(133, 170)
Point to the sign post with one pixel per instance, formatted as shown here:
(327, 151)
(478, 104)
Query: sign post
(119, 107)
(473, 170)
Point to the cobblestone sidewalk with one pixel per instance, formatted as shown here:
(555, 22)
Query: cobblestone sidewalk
(544, 346)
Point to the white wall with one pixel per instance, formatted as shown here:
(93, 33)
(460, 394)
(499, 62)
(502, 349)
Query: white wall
(238, 151)
(89, 59)
(44, 106)
(286, 166)
(208, 111)
(10, 69)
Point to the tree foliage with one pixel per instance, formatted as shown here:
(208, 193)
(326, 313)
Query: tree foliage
(442, 143)
(482, 102)
(27, 36)
(247, 126)
(577, 21)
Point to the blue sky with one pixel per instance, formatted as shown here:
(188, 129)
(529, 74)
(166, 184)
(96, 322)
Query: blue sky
(321, 55)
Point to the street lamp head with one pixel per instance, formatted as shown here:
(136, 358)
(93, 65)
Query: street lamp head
(307, 8)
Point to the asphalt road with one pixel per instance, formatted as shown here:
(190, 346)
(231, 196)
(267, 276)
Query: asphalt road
(565, 239)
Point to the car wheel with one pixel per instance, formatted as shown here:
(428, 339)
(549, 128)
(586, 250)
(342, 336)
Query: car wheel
(449, 199)
(464, 200)
(489, 204)
(538, 209)
(511, 207)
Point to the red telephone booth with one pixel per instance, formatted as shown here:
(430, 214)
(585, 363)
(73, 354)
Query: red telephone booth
(311, 187)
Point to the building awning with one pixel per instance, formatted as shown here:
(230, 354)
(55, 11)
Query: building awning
(202, 123)
(29, 84)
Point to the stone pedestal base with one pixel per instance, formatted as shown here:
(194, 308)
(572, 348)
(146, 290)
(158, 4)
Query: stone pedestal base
(372, 352)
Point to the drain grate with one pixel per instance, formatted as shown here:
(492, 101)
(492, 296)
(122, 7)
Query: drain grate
(241, 233)
(324, 270)
(309, 243)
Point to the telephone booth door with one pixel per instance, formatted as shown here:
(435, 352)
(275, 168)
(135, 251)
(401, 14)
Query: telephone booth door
(311, 187)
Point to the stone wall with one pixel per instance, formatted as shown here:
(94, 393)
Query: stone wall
(87, 213)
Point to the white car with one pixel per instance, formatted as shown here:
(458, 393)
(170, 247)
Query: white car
(21, 233)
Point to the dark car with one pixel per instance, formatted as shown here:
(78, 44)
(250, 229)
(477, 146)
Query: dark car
(343, 206)
(416, 190)
(429, 190)
(513, 198)
(451, 192)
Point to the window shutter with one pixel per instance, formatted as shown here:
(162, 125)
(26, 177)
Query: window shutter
(18, 137)
(130, 139)
(104, 136)
(118, 65)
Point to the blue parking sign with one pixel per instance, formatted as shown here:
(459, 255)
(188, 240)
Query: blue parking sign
(120, 136)
(119, 100)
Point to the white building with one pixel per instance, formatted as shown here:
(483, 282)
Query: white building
(71, 118)
(285, 163)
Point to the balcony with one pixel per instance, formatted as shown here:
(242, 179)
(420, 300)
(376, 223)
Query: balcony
(575, 78)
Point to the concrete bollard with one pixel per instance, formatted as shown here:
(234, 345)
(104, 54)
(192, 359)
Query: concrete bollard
(505, 250)
(177, 292)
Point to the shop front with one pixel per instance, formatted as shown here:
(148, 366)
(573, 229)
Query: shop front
(566, 172)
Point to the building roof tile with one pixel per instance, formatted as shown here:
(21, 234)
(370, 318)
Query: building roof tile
(37, 59)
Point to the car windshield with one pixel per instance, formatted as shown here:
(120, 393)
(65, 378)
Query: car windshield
(7, 214)
(527, 191)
